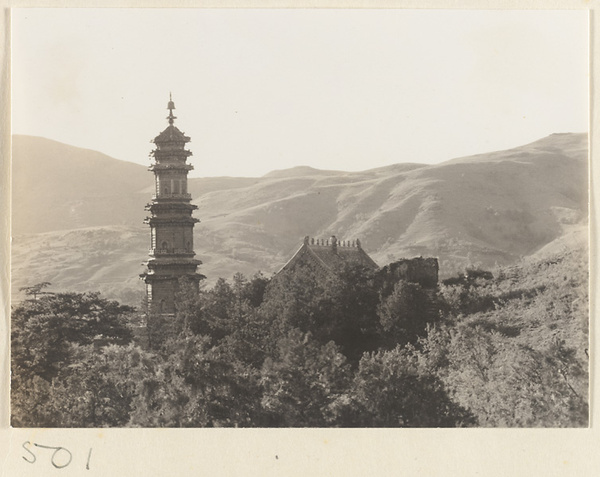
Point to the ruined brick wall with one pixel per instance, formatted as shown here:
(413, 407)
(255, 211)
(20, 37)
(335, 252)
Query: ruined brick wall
(423, 271)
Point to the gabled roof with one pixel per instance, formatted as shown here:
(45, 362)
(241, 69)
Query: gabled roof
(171, 134)
(330, 254)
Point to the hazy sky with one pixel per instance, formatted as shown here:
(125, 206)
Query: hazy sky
(259, 90)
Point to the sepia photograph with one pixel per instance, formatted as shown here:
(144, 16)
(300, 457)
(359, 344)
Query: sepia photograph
(299, 218)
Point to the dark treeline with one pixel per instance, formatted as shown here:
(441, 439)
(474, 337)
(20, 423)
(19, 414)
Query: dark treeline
(507, 348)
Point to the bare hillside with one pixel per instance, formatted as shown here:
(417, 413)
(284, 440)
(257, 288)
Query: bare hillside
(77, 214)
(61, 187)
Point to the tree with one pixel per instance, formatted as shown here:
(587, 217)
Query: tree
(391, 389)
(45, 334)
(43, 330)
(352, 323)
(95, 390)
(468, 292)
(36, 290)
(405, 314)
(295, 300)
(301, 385)
(198, 385)
(253, 290)
(98, 388)
(505, 382)
(339, 307)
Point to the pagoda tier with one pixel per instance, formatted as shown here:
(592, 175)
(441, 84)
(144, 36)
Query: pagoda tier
(161, 155)
(166, 205)
(170, 252)
(171, 223)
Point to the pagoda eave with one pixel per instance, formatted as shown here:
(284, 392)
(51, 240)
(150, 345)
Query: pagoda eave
(157, 205)
(171, 198)
(158, 252)
(172, 262)
(151, 277)
(171, 166)
(171, 221)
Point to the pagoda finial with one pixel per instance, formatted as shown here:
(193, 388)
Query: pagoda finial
(171, 107)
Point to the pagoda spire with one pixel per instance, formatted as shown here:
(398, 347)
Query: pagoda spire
(171, 107)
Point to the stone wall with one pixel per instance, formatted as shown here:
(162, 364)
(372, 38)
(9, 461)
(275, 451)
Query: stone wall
(423, 271)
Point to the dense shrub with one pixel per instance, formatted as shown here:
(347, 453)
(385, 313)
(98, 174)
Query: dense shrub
(507, 348)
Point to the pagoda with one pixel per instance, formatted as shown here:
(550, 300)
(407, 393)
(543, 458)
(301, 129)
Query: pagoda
(171, 222)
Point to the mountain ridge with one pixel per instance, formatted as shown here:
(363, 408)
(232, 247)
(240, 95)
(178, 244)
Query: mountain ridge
(483, 209)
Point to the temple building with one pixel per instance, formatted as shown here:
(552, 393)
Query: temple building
(328, 255)
(171, 222)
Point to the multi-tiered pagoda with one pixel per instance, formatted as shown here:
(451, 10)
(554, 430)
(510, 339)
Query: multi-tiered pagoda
(171, 222)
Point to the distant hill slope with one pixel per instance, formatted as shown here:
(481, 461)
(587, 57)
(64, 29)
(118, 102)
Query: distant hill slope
(61, 187)
(77, 214)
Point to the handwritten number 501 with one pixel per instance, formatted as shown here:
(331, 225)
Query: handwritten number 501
(61, 457)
